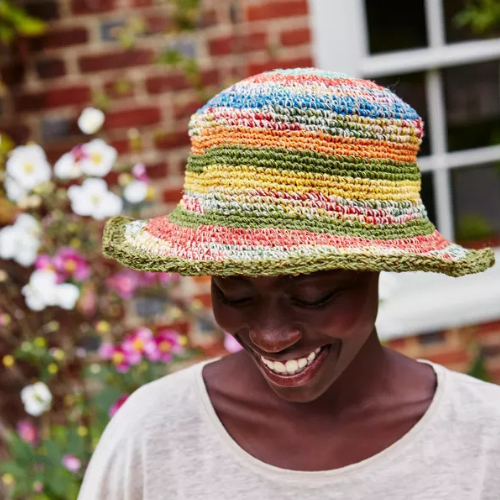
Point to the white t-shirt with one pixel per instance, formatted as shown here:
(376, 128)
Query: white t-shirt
(167, 443)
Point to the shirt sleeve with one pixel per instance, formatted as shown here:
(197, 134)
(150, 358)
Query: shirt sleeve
(116, 469)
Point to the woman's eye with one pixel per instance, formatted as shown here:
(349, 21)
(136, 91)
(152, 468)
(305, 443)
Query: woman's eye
(317, 303)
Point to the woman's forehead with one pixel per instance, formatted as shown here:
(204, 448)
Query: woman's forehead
(318, 276)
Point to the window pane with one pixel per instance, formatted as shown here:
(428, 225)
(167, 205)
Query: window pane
(395, 25)
(472, 95)
(464, 24)
(411, 88)
(428, 195)
(476, 205)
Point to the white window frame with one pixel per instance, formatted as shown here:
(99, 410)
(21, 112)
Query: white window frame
(340, 43)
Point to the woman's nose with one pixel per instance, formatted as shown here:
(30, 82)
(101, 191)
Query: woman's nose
(274, 340)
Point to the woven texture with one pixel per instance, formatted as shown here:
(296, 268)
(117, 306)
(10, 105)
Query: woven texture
(292, 172)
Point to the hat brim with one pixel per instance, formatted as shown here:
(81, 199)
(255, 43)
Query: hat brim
(161, 245)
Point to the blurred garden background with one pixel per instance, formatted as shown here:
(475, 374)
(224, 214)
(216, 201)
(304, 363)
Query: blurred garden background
(95, 98)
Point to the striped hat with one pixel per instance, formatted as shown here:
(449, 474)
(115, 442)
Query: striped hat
(292, 172)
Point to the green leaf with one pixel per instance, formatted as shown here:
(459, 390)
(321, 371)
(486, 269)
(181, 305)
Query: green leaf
(21, 451)
(478, 368)
(29, 26)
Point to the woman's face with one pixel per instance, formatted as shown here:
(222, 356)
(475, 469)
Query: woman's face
(301, 331)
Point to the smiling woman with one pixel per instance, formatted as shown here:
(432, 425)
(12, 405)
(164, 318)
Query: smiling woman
(302, 185)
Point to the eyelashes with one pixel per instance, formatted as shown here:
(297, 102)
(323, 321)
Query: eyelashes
(312, 305)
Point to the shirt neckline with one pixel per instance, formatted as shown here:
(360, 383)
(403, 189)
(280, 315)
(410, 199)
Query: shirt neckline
(274, 472)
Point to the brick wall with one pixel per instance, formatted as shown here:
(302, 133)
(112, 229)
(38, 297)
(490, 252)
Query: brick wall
(51, 79)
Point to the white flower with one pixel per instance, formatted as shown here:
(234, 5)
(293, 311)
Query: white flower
(36, 398)
(28, 166)
(66, 295)
(21, 241)
(92, 198)
(98, 158)
(15, 191)
(43, 291)
(67, 167)
(136, 191)
(90, 120)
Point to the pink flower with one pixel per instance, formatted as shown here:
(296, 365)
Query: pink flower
(69, 263)
(166, 343)
(231, 344)
(136, 342)
(117, 404)
(106, 350)
(124, 283)
(147, 278)
(139, 172)
(27, 432)
(44, 262)
(38, 487)
(71, 463)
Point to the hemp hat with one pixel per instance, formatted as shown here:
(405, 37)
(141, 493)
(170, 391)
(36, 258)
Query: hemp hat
(296, 171)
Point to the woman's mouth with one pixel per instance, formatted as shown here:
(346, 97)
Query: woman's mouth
(294, 372)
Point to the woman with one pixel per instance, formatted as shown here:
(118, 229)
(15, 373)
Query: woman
(302, 185)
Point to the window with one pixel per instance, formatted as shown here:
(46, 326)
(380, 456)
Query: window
(459, 24)
(395, 25)
(476, 202)
(450, 73)
(472, 95)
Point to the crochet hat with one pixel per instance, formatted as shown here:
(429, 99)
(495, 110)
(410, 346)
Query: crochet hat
(292, 172)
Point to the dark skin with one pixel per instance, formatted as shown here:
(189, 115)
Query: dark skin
(361, 396)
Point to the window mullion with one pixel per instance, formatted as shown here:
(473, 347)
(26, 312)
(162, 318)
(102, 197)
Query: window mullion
(442, 185)
(434, 16)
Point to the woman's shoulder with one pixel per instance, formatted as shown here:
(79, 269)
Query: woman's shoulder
(474, 399)
(166, 401)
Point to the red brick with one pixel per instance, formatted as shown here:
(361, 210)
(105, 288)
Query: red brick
(50, 68)
(157, 171)
(275, 8)
(255, 68)
(234, 44)
(172, 195)
(172, 140)
(176, 81)
(13, 73)
(398, 344)
(296, 37)
(147, 115)
(60, 38)
(488, 328)
(55, 151)
(450, 357)
(186, 110)
(53, 98)
(205, 298)
(116, 60)
(158, 23)
(119, 88)
(91, 6)
(112, 178)
(19, 133)
(121, 145)
(45, 10)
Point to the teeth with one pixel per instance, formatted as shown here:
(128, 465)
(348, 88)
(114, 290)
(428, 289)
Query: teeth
(279, 367)
(292, 366)
(302, 363)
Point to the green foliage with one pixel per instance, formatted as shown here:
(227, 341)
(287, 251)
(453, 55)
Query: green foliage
(14, 21)
(473, 227)
(186, 14)
(478, 368)
(480, 15)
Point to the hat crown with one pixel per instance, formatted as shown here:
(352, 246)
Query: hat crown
(306, 147)
(294, 171)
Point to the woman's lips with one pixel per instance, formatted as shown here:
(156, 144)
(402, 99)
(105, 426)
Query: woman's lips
(301, 377)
